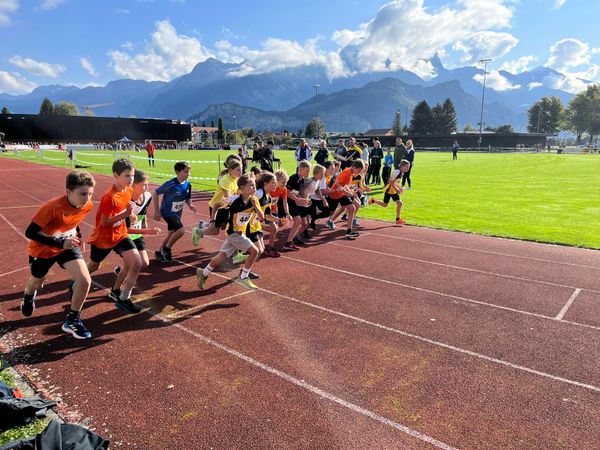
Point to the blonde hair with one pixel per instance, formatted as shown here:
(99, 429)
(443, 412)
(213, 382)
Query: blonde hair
(233, 163)
(304, 164)
(318, 169)
(281, 174)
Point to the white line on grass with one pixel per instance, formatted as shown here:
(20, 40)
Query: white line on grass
(565, 308)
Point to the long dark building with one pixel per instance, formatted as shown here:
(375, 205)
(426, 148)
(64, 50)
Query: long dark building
(42, 128)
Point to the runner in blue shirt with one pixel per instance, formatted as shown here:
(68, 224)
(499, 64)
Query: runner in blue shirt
(176, 192)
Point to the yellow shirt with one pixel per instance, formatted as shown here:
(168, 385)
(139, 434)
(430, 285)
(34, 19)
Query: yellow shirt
(226, 183)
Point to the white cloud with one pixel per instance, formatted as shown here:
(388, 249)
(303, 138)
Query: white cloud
(122, 11)
(496, 81)
(88, 66)
(534, 85)
(404, 32)
(36, 67)
(346, 37)
(46, 5)
(518, 65)
(277, 54)
(228, 33)
(128, 45)
(6, 8)
(14, 83)
(568, 53)
(559, 3)
(167, 56)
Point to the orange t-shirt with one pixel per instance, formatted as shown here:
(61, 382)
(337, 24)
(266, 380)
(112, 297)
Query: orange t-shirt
(343, 179)
(280, 192)
(111, 204)
(59, 219)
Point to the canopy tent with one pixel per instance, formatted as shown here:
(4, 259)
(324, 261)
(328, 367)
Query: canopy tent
(124, 139)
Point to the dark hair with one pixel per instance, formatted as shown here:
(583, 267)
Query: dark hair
(230, 164)
(139, 176)
(255, 170)
(229, 158)
(328, 164)
(79, 178)
(181, 165)
(264, 178)
(270, 142)
(121, 165)
(358, 164)
(243, 180)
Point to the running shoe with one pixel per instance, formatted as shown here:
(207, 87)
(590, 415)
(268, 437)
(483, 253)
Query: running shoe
(290, 246)
(253, 276)
(270, 252)
(77, 329)
(28, 304)
(128, 306)
(115, 294)
(239, 257)
(305, 235)
(312, 225)
(167, 254)
(298, 242)
(117, 270)
(344, 216)
(159, 255)
(400, 222)
(329, 224)
(371, 200)
(351, 234)
(246, 282)
(355, 223)
(201, 278)
(196, 235)
(202, 224)
(407, 188)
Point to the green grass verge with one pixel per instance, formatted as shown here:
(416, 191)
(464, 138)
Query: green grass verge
(25, 431)
(540, 197)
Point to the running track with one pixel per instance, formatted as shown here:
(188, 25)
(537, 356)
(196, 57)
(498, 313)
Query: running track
(405, 337)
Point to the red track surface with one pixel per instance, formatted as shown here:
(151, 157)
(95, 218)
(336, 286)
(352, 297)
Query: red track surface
(406, 337)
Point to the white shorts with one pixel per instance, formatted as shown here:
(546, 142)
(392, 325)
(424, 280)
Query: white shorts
(234, 242)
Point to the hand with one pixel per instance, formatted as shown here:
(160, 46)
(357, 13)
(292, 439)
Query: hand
(325, 204)
(193, 208)
(155, 231)
(157, 216)
(71, 242)
(129, 207)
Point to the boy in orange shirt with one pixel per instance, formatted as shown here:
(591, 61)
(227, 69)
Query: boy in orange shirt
(111, 233)
(55, 238)
(342, 194)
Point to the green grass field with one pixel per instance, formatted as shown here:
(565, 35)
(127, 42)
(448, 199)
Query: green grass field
(541, 197)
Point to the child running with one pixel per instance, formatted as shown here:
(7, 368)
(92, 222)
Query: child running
(294, 185)
(55, 238)
(280, 209)
(241, 213)
(110, 233)
(138, 229)
(176, 192)
(392, 191)
(342, 194)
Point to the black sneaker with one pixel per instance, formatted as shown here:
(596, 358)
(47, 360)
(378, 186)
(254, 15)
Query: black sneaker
(167, 255)
(298, 242)
(344, 216)
(128, 306)
(313, 226)
(115, 294)
(28, 305)
(305, 235)
(253, 276)
(159, 255)
(77, 329)
(351, 234)
(117, 270)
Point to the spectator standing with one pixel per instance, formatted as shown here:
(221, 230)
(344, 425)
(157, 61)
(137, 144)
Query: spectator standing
(341, 152)
(399, 153)
(410, 157)
(375, 157)
(265, 156)
(455, 151)
(243, 154)
(303, 152)
(322, 154)
(353, 153)
(150, 151)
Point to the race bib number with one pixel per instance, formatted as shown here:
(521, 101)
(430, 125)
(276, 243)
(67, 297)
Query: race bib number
(177, 206)
(65, 234)
(137, 225)
(242, 219)
(274, 200)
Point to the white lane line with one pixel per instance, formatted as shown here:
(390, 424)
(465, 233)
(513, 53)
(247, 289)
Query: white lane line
(13, 271)
(10, 224)
(300, 383)
(420, 338)
(188, 311)
(565, 308)
(23, 192)
(468, 269)
(490, 252)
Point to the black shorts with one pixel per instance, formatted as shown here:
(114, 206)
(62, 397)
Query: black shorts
(255, 237)
(293, 208)
(139, 243)
(173, 223)
(334, 202)
(387, 197)
(40, 266)
(98, 255)
(304, 211)
(222, 217)
(280, 209)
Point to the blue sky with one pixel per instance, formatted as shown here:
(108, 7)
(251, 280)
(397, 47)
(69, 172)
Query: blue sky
(86, 42)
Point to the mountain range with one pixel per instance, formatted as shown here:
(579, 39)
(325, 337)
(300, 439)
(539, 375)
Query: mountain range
(285, 99)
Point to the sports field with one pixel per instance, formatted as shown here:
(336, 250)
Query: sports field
(540, 197)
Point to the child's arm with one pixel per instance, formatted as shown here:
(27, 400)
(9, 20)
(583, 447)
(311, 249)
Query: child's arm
(34, 233)
(257, 209)
(107, 221)
(190, 205)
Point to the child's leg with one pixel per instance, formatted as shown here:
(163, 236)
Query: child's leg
(351, 211)
(78, 271)
(33, 284)
(253, 253)
(398, 208)
(132, 264)
(120, 278)
(166, 240)
(145, 259)
(216, 261)
(273, 228)
(175, 236)
(338, 212)
(294, 229)
(380, 203)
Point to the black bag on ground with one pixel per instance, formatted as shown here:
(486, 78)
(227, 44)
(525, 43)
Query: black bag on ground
(21, 411)
(61, 436)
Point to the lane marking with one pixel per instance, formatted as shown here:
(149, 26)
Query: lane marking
(19, 207)
(565, 308)
(23, 192)
(188, 311)
(10, 224)
(13, 271)
(300, 383)
(485, 272)
(540, 373)
(491, 252)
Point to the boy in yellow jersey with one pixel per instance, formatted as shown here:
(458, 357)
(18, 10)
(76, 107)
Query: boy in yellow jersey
(241, 212)
(392, 191)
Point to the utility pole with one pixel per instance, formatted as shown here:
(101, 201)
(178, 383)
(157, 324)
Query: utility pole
(317, 86)
(485, 63)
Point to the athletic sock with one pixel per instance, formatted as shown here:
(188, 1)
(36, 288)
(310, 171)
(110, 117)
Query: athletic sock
(245, 273)
(72, 315)
(207, 270)
(125, 295)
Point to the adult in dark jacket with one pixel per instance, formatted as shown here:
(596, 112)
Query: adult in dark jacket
(399, 153)
(322, 154)
(375, 158)
(265, 157)
(410, 157)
